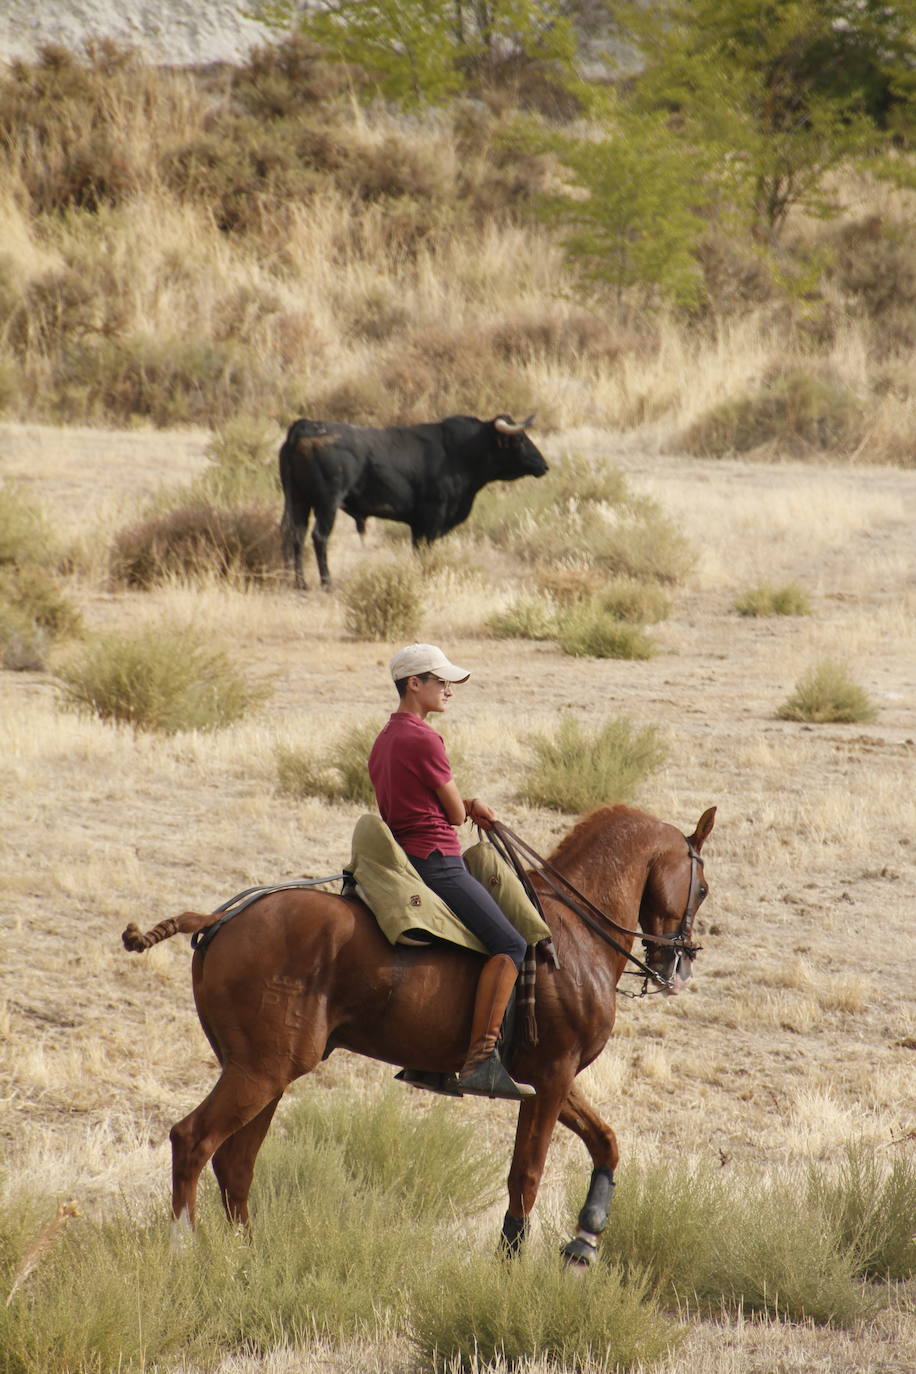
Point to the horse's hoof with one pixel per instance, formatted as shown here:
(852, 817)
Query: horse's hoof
(579, 1254)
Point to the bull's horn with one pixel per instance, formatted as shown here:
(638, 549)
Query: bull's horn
(506, 426)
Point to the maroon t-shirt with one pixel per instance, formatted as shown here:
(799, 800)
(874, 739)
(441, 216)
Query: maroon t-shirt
(406, 764)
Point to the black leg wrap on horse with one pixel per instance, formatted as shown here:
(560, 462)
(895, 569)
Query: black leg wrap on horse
(594, 1214)
(580, 1251)
(514, 1235)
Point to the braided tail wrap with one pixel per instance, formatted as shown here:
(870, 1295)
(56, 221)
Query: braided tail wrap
(136, 941)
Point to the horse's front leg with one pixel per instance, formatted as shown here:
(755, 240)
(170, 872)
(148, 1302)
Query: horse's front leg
(537, 1117)
(601, 1143)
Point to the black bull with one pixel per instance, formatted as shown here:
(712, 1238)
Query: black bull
(425, 476)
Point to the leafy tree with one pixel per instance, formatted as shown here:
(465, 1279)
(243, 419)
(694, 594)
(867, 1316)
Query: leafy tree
(785, 89)
(422, 51)
(631, 211)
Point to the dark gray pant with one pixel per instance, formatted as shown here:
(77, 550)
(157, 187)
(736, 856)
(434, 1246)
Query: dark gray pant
(449, 878)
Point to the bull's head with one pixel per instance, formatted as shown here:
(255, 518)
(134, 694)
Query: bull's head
(519, 457)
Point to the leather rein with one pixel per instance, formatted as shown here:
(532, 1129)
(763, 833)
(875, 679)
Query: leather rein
(511, 846)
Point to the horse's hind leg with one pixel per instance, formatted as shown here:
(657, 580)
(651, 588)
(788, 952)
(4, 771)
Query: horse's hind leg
(234, 1101)
(601, 1143)
(233, 1162)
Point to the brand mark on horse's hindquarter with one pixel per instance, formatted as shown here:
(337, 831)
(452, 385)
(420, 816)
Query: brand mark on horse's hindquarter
(279, 990)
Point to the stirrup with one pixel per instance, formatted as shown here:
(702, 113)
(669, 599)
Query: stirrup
(492, 1079)
(445, 1083)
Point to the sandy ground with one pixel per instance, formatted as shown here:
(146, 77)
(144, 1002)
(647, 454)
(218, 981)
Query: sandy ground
(800, 1031)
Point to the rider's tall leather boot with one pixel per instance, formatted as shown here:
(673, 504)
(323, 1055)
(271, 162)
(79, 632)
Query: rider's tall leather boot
(483, 1073)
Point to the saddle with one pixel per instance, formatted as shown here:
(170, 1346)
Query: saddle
(410, 913)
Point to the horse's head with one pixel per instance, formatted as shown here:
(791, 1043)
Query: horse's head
(674, 890)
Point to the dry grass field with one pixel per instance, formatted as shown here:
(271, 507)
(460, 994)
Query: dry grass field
(799, 1033)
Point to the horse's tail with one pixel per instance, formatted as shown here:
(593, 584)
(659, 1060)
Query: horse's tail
(188, 923)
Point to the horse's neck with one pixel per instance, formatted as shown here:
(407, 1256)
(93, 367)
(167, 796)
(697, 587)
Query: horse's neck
(614, 886)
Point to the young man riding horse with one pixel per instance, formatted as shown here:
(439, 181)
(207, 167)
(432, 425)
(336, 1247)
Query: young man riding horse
(419, 801)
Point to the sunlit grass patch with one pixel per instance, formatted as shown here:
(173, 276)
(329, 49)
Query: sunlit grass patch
(243, 465)
(159, 677)
(766, 600)
(474, 1313)
(709, 1238)
(575, 769)
(827, 694)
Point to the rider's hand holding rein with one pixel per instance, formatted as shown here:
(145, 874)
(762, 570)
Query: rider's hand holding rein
(478, 812)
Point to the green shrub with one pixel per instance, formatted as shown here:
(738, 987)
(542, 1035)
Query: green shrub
(302, 774)
(197, 541)
(796, 412)
(24, 535)
(159, 677)
(575, 770)
(243, 471)
(23, 643)
(789, 599)
(382, 600)
(871, 1206)
(525, 618)
(634, 601)
(827, 694)
(588, 631)
(482, 1313)
(583, 513)
(339, 775)
(349, 755)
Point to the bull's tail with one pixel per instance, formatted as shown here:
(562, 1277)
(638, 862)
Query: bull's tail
(188, 923)
(296, 509)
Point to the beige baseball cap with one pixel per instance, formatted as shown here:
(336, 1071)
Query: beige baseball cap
(425, 658)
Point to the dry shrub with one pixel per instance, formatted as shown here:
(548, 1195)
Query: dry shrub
(572, 337)
(168, 381)
(71, 126)
(243, 170)
(437, 370)
(736, 276)
(195, 541)
(281, 80)
(796, 412)
(876, 266)
(382, 600)
(827, 694)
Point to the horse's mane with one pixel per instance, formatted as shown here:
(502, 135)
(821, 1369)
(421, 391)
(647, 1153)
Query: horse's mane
(589, 827)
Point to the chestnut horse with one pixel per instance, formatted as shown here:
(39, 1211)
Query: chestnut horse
(304, 972)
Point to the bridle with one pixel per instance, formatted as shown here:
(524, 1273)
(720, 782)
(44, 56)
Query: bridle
(511, 846)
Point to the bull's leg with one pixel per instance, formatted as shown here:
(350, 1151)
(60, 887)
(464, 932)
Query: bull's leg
(537, 1117)
(601, 1143)
(293, 528)
(234, 1101)
(324, 524)
(233, 1163)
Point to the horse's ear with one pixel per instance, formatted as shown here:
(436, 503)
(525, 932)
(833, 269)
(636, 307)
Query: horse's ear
(704, 825)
